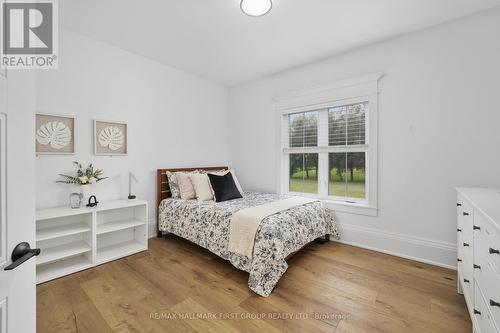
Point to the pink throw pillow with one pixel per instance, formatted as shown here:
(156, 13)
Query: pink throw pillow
(186, 187)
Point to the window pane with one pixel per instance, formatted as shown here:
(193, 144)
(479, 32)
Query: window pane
(347, 175)
(337, 174)
(303, 129)
(303, 173)
(356, 178)
(347, 124)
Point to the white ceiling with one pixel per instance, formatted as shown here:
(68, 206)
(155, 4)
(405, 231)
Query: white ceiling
(215, 40)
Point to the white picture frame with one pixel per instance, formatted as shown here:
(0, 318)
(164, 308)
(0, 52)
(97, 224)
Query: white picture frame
(110, 138)
(49, 148)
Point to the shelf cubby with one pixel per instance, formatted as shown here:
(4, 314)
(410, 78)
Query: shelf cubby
(56, 227)
(63, 267)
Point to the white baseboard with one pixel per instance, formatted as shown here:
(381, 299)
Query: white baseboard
(429, 251)
(424, 250)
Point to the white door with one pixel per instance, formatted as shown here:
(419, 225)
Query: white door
(17, 201)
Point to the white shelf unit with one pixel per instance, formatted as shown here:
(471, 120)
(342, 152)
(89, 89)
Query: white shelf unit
(72, 240)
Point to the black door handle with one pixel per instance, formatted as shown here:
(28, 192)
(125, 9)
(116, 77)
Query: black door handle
(493, 251)
(20, 254)
(493, 303)
(465, 214)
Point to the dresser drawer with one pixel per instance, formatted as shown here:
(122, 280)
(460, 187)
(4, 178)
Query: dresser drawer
(465, 274)
(464, 212)
(489, 281)
(481, 313)
(461, 250)
(465, 249)
(465, 219)
(465, 267)
(487, 242)
(465, 235)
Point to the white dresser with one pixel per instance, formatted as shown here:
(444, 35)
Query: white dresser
(478, 242)
(72, 240)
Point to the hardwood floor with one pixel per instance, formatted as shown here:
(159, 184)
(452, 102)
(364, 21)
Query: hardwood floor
(327, 288)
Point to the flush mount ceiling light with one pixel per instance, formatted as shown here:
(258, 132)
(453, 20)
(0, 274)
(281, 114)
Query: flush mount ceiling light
(256, 7)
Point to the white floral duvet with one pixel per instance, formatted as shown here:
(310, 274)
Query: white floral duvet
(208, 223)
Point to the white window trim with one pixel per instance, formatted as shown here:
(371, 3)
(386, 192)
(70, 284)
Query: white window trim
(345, 92)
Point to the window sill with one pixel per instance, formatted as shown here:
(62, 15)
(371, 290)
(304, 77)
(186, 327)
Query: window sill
(351, 208)
(342, 206)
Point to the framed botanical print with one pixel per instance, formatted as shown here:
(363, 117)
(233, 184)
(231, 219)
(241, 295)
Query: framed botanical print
(110, 138)
(54, 134)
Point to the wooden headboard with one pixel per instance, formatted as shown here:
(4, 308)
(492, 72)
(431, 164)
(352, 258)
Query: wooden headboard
(163, 189)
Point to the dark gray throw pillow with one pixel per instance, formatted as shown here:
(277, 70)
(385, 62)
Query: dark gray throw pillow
(224, 187)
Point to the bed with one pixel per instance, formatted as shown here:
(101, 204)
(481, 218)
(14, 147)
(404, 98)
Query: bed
(279, 236)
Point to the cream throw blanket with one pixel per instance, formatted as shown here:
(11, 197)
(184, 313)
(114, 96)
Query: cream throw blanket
(246, 222)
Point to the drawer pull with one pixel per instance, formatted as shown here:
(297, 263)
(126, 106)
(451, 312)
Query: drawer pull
(493, 251)
(459, 260)
(477, 312)
(459, 205)
(476, 227)
(493, 303)
(465, 244)
(466, 281)
(459, 230)
(466, 214)
(476, 266)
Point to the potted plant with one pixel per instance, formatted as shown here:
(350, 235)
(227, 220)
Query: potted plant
(83, 179)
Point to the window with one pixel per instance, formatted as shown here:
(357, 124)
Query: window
(345, 150)
(347, 165)
(303, 173)
(347, 125)
(329, 145)
(303, 129)
(303, 132)
(347, 176)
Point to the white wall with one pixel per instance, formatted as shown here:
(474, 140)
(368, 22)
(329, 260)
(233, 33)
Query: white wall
(175, 119)
(439, 120)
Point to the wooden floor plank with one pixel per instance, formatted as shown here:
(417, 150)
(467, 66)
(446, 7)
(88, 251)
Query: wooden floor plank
(69, 299)
(327, 288)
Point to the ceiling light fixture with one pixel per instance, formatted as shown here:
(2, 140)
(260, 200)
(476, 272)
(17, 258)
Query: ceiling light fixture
(256, 7)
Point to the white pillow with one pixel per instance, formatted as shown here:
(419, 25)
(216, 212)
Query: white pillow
(202, 187)
(222, 173)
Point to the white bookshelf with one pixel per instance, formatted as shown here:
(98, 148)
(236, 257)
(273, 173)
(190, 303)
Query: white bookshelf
(72, 240)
